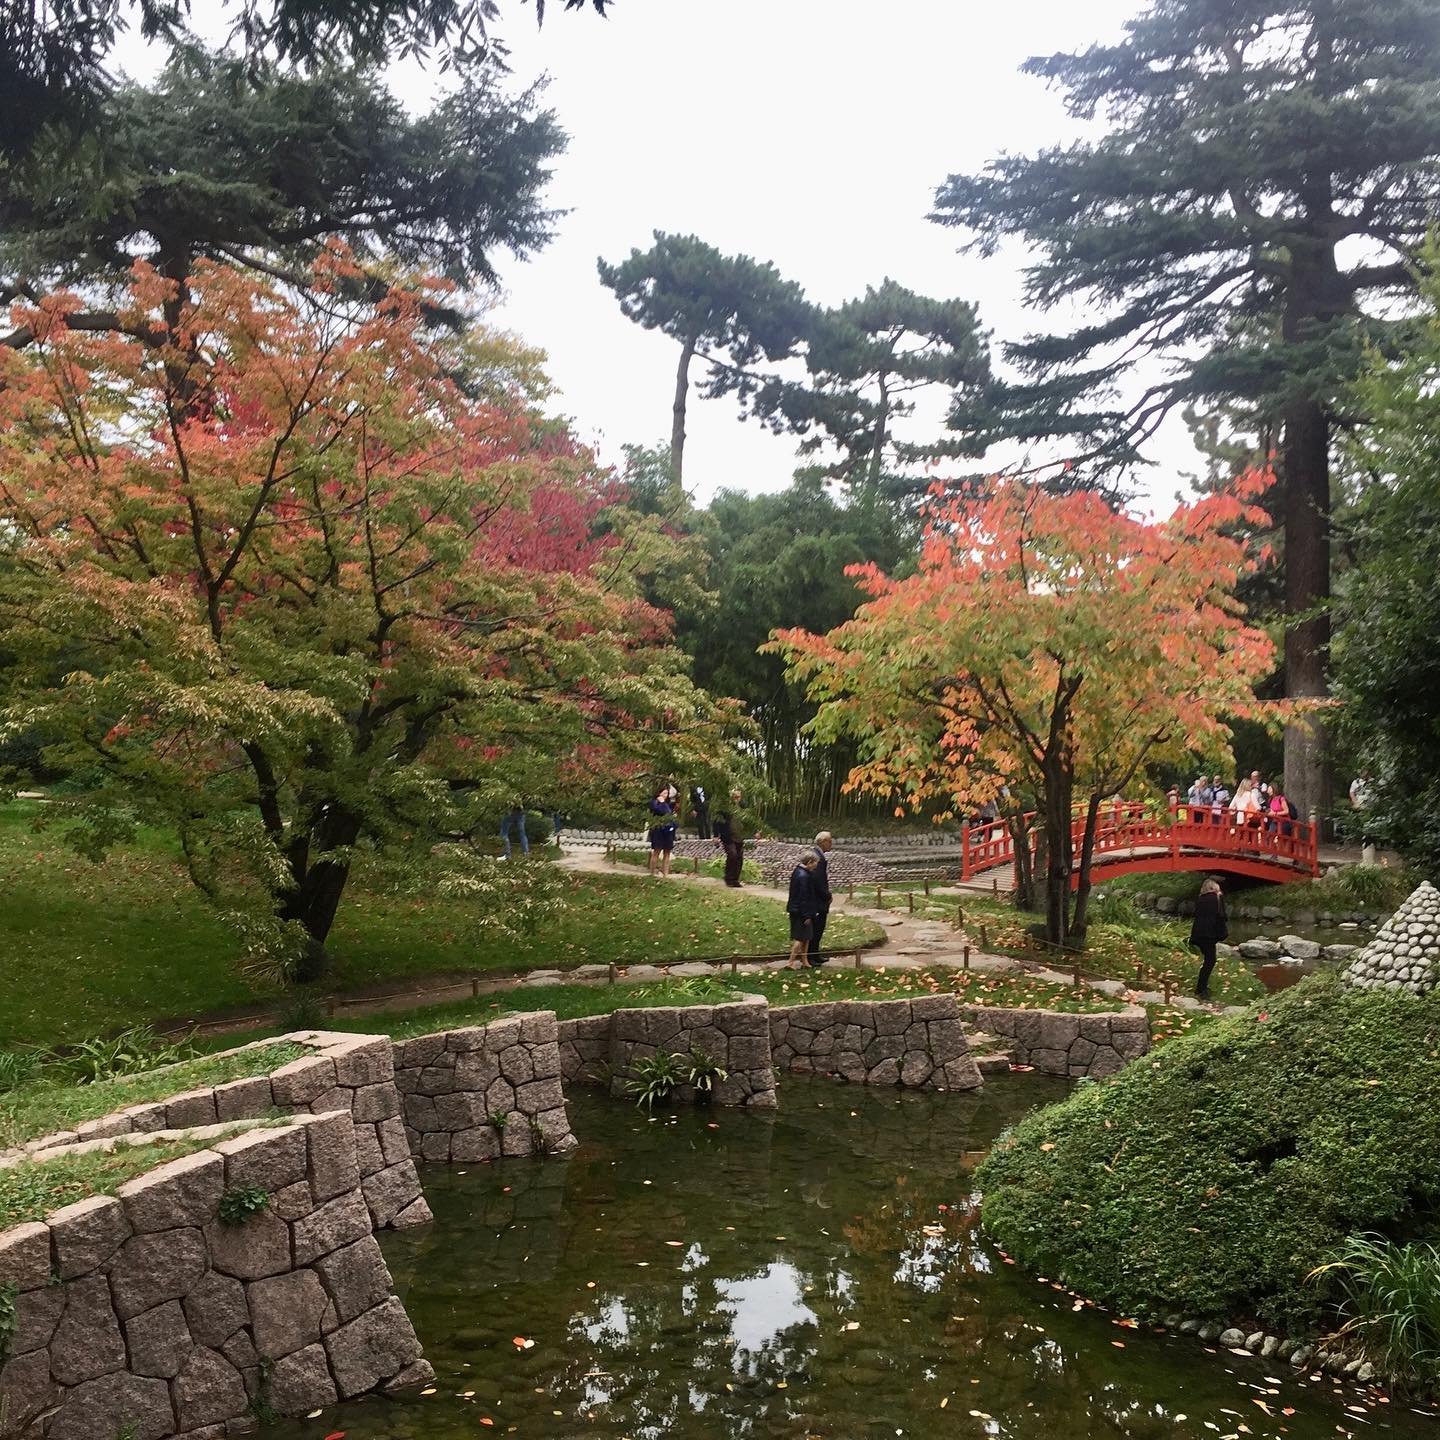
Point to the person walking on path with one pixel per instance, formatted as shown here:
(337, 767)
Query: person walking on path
(512, 826)
(730, 832)
(663, 826)
(802, 908)
(700, 809)
(824, 843)
(1207, 930)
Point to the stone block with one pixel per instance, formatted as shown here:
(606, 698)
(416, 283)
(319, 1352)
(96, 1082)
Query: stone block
(355, 1277)
(286, 1312)
(1130, 1044)
(363, 1061)
(438, 1080)
(294, 1202)
(1058, 1032)
(135, 1406)
(301, 1081)
(538, 1096)
(376, 1102)
(916, 1068)
(159, 1340)
(1026, 1028)
(208, 1390)
(962, 1074)
(471, 1037)
(332, 1164)
(664, 1024)
(749, 1052)
(340, 1222)
(149, 1118)
(27, 1390)
(477, 1069)
(181, 1192)
(500, 1098)
(459, 1112)
(215, 1309)
(887, 1072)
(418, 1372)
(37, 1313)
(258, 1247)
(369, 1155)
(946, 1040)
(935, 1007)
(373, 1348)
(103, 1128)
(916, 1036)
(150, 1269)
(884, 1047)
(417, 1212)
(1129, 1020)
(546, 1060)
(243, 1099)
(892, 1017)
(394, 1147)
(1081, 1053)
(338, 1097)
(194, 1107)
(25, 1256)
(742, 1019)
(87, 1233)
(87, 1342)
(516, 1138)
(435, 1148)
(539, 1028)
(417, 1051)
(628, 1025)
(481, 1143)
(1105, 1061)
(420, 1113)
(1051, 1062)
(302, 1382)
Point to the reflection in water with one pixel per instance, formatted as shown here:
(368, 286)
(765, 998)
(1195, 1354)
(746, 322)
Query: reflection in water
(813, 1273)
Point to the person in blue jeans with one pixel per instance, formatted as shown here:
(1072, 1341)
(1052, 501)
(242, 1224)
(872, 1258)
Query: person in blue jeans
(514, 824)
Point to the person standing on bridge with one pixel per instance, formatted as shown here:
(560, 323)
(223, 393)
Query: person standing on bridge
(1207, 930)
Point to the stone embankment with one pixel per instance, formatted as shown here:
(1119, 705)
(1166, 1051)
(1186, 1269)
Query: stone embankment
(148, 1313)
(1056, 1043)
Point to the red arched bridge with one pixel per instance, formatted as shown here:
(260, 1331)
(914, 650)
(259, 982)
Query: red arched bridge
(1130, 838)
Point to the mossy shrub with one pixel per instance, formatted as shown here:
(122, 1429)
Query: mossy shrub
(1214, 1176)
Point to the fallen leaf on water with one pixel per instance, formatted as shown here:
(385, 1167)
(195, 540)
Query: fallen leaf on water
(852, 1325)
(675, 1243)
(521, 1343)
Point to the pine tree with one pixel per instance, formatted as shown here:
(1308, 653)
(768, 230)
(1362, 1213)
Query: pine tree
(1269, 167)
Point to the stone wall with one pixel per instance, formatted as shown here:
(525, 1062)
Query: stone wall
(484, 1091)
(1059, 1044)
(918, 1043)
(353, 1073)
(601, 1049)
(144, 1314)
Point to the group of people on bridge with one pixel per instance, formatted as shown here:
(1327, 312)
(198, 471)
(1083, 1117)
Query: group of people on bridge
(1255, 803)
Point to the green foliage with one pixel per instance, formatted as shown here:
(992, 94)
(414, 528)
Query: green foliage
(1391, 1302)
(653, 1079)
(131, 1052)
(239, 1203)
(9, 1320)
(499, 1119)
(1387, 665)
(703, 1071)
(192, 170)
(1214, 1176)
(54, 1101)
(18, 1067)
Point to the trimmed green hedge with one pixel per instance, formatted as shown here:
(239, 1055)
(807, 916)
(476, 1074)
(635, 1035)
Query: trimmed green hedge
(1212, 1177)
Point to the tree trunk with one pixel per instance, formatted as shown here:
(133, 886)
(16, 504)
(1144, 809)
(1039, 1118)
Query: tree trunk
(314, 898)
(1024, 896)
(677, 411)
(1306, 465)
(1058, 789)
(1082, 889)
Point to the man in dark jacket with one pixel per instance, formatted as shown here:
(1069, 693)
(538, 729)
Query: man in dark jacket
(820, 880)
(730, 826)
(801, 908)
(700, 809)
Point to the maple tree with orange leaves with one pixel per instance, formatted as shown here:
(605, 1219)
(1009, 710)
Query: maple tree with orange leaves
(278, 580)
(1048, 646)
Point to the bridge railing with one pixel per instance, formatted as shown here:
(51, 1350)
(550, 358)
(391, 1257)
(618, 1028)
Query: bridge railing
(1130, 825)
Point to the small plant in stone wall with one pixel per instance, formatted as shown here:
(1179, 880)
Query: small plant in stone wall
(9, 1320)
(537, 1135)
(499, 1119)
(704, 1072)
(239, 1204)
(653, 1079)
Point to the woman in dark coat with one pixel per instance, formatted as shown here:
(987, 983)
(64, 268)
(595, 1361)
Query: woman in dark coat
(1207, 931)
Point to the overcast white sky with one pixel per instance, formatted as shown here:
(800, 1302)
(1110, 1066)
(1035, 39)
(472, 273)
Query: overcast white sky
(807, 132)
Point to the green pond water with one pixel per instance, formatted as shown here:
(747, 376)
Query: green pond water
(815, 1272)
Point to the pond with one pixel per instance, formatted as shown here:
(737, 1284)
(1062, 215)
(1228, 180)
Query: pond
(812, 1273)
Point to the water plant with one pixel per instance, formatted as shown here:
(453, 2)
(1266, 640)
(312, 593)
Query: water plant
(653, 1079)
(1391, 1303)
(703, 1072)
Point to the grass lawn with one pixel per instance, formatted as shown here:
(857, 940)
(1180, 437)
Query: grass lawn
(94, 947)
(715, 869)
(1369, 888)
(30, 1190)
(42, 1108)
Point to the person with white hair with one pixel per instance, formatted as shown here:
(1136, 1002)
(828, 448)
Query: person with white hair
(820, 882)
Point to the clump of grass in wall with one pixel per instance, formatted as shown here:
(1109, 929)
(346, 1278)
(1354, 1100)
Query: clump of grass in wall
(239, 1204)
(1391, 1304)
(9, 1320)
(704, 1072)
(499, 1119)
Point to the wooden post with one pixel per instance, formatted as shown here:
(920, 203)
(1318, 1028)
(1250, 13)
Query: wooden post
(910, 896)
(959, 914)
(852, 892)
(879, 899)
(697, 864)
(1169, 987)
(995, 887)
(1075, 977)
(612, 972)
(475, 988)
(927, 887)
(858, 954)
(1139, 973)
(966, 961)
(734, 965)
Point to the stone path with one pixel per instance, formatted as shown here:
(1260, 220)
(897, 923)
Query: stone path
(911, 944)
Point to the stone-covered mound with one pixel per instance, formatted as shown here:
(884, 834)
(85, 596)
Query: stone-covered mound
(777, 858)
(1405, 954)
(1212, 1177)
